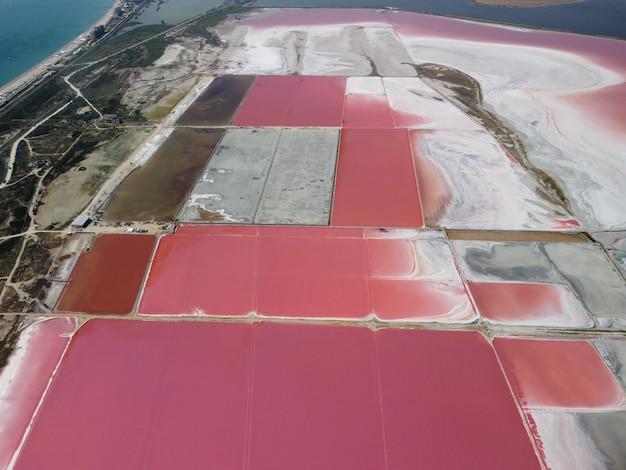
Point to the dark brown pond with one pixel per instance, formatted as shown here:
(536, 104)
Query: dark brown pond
(217, 105)
(157, 190)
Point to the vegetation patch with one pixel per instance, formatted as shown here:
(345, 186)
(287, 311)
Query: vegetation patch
(9, 334)
(41, 101)
(14, 202)
(36, 259)
(9, 249)
(200, 27)
(119, 42)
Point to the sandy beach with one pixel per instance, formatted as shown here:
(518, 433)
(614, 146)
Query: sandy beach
(48, 64)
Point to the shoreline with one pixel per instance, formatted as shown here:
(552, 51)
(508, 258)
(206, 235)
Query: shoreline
(48, 64)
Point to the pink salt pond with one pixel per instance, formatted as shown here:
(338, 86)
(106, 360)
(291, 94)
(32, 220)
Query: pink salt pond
(25, 378)
(558, 374)
(293, 101)
(107, 279)
(376, 184)
(230, 395)
(300, 272)
(511, 303)
(367, 111)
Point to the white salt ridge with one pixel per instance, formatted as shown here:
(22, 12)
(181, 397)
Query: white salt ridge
(329, 51)
(433, 260)
(317, 50)
(566, 443)
(18, 387)
(261, 53)
(412, 96)
(489, 191)
(365, 86)
(528, 88)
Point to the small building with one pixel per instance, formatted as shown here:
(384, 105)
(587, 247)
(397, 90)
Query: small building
(82, 221)
(98, 32)
(111, 119)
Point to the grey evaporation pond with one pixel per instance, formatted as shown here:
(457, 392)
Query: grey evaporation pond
(504, 261)
(613, 353)
(595, 17)
(267, 176)
(593, 277)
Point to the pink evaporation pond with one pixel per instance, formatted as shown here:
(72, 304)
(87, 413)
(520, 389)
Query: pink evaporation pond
(194, 273)
(367, 111)
(293, 101)
(107, 279)
(520, 303)
(275, 396)
(37, 354)
(313, 277)
(294, 272)
(558, 374)
(155, 395)
(316, 401)
(445, 403)
(376, 185)
(401, 299)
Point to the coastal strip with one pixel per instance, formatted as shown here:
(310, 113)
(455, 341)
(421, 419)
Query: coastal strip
(49, 65)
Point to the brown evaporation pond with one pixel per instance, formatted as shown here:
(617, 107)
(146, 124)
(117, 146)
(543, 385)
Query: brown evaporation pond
(217, 105)
(518, 236)
(157, 190)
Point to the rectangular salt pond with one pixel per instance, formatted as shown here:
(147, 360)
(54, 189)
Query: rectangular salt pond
(267, 176)
(217, 105)
(583, 380)
(488, 261)
(305, 273)
(366, 104)
(265, 395)
(594, 278)
(375, 183)
(107, 279)
(579, 274)
(156, 190)
(515, 303)
(293, 101)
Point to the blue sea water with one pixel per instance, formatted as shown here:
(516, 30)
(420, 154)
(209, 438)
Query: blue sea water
(31, 30)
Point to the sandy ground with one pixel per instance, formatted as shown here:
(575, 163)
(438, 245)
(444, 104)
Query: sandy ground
(157, 89)
(68, 194)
